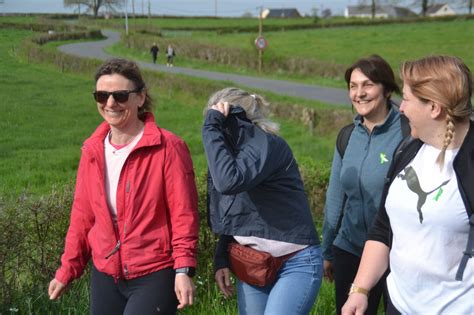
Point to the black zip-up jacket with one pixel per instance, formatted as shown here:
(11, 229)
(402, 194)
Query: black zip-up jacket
(254, 187)
(463, 165)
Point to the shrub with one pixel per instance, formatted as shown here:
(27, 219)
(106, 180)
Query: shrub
(33, 233)
(32, 238)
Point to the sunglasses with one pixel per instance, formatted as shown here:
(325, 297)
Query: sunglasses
(119, 96)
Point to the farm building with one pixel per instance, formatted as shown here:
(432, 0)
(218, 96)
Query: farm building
(384, 11)
(280, 13)
(440, 10)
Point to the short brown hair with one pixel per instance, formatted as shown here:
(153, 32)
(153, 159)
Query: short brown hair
(129, 70)
(378, 71)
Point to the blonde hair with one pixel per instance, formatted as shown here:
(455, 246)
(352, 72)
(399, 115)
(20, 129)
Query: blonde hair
(257, 109)
(444, 80)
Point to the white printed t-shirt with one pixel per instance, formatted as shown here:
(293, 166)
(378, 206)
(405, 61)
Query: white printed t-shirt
(430, 231)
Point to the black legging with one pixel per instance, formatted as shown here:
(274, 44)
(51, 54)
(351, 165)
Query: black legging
(149, 294)
(345, 267)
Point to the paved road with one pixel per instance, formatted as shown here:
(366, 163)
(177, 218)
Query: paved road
(312, 92)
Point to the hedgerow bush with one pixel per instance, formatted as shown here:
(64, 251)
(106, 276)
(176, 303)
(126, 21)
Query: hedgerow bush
(32, 234)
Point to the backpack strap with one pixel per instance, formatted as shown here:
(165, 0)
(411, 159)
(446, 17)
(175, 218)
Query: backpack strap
(469, 252)
(346, 131)
(341, 145)
(406, 130)
(343, 139)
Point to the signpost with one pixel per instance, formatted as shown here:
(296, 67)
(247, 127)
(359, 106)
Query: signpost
(260, 42)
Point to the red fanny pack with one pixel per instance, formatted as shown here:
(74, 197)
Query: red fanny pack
(254, 267)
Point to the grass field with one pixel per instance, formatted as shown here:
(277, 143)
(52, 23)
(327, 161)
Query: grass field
(46, 114)
(340, 46)
(205, 22)
(48, 120)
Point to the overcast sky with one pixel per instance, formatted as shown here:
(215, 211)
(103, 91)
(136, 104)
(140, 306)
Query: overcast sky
(187, 7)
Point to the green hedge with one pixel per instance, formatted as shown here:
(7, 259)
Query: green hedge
(32, 233)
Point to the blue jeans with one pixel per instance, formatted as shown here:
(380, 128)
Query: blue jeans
(294, 291)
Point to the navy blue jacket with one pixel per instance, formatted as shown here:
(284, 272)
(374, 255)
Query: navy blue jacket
(254, 187)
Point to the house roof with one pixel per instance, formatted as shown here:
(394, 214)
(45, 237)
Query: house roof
(389, 10)
(435, 8)
(289, 12)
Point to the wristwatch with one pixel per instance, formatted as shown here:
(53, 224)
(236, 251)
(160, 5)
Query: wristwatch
(189, 271)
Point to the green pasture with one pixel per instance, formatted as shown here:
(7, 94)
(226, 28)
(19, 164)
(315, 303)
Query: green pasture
(396, 42)
(200, 23)
(338, 46)
(46, 114)
(50, 114)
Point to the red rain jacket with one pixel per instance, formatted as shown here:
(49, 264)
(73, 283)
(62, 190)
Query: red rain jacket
(157, 218)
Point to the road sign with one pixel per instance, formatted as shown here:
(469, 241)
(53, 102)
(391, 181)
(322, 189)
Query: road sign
(261, 43)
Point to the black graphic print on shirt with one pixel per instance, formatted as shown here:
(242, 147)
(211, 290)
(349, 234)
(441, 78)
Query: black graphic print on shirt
(414, 185)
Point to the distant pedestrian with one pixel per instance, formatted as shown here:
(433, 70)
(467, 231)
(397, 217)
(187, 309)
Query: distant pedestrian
(170, 53)
(154, 51)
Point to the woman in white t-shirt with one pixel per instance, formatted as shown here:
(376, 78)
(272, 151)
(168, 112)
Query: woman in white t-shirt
(422, 227)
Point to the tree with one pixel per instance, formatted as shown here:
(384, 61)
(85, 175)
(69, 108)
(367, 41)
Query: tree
(424, 5)
(93, 6)
(247, 14)
(326, 13)
(377, 3)
(373, 6)
(468, 3)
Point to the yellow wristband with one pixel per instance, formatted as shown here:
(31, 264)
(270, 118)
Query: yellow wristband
(356, 289)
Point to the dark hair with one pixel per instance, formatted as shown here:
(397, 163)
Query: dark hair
(378, 71)
(129, 70)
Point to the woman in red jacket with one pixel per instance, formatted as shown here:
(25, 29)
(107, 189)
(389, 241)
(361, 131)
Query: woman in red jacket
(135, 206)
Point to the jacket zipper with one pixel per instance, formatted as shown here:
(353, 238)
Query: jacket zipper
(114, 250)
(125, 268)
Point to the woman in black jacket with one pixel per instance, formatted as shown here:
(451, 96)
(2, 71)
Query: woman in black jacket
(256, 198)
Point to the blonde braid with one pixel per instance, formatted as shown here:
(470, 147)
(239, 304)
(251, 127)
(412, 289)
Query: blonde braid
(448, 137)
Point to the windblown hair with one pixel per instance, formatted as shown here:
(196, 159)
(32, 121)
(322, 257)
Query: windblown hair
(378, 71)
(129, 70)
(444, 80)
(257, 109)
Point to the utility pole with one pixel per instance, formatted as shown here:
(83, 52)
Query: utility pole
(215, 8)
(260, 30)
(149, 10)
(126, 17)
(133, 9)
